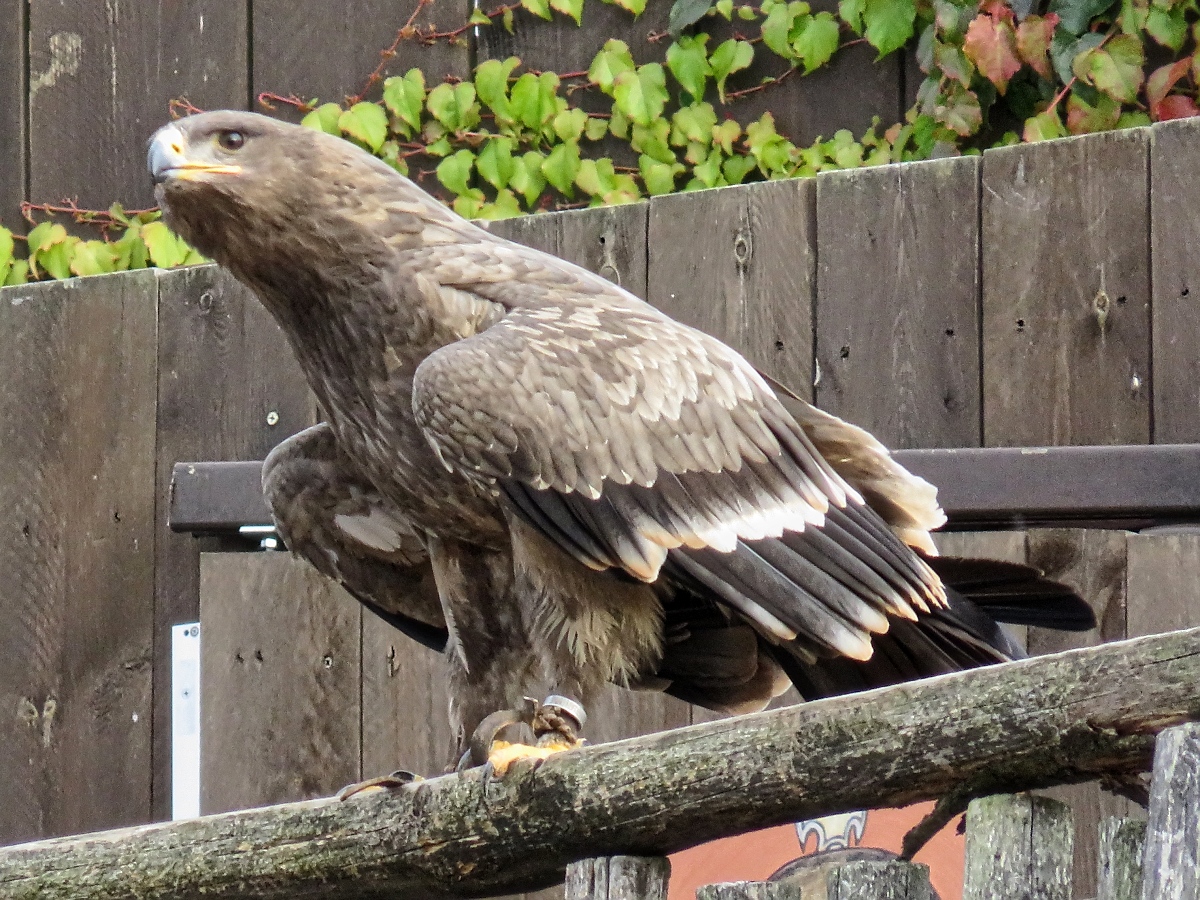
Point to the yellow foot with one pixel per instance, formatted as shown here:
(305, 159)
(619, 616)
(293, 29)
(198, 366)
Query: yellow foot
(503, 754)
(375, 785)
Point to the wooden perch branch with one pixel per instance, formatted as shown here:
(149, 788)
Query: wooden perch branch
(1052, 720)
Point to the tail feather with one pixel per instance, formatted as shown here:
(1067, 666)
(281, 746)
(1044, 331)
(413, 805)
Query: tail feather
(1015, 593)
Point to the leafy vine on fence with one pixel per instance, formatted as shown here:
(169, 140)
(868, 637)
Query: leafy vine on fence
(509, 140)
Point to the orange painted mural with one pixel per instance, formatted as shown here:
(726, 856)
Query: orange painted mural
(758, 855)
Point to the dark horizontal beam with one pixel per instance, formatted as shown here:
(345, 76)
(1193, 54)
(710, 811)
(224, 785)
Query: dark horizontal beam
(1126, 486)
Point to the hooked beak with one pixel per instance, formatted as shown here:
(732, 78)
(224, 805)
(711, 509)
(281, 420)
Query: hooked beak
(167, 158)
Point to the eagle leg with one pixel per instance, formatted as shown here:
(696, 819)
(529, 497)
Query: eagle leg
(383, 783)
(555, 725)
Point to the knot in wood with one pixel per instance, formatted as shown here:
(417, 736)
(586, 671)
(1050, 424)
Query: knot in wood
(1100, 308)
(743, 248)
(206, 301)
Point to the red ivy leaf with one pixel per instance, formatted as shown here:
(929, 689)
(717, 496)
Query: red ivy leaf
(1033, 42)
(992, 45)
(998, 10)
(1160, 82)
(1176, 106)
(1083, 118)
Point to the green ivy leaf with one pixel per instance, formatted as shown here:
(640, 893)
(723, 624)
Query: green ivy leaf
(1168, 26)
(687, 59)
(479, 17)
(725, 134)
(469, 203)
(164, 247)
(889, 24)
(1115, 68)
(708, 174)
(491, 84)
(570, 124)
(596, 128)
(777, 29)
(693, 123)
(404, 96)
(735, 169)
(612, 60)
(685, 13)
(852, 12)
(131, 250)
(1076, 15)
(93, 258)
(366, 123)
(43, 237)
(732, 56)
(953, 63)
(505, 206)
(1085, 118)
(6, 253)
(1065, 48)
(495, 162)
(651, 140)
(572, 8)
(117, 211)
(960, 111)
(642, 94)
(324, 118)
(724, 8)
(454, 106)
(534, 100)
(658, 177)
(18, 274)
(843, 151)
(817, 41)
(454, 172)
(562, 167)
(539, 8)
(637, 7)
(527, 178)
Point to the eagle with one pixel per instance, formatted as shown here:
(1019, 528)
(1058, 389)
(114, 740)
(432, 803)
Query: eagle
(529, 468)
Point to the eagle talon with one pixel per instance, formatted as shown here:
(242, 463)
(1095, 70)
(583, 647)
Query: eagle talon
(483, 738)
(397, 779)
(503, 754)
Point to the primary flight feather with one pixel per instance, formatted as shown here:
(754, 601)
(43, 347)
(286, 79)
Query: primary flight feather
(563, 486)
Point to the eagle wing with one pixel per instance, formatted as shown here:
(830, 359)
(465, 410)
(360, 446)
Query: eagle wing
(637, 443)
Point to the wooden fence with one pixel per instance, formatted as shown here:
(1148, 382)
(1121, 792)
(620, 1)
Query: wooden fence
(83, 84)
(1034, 295)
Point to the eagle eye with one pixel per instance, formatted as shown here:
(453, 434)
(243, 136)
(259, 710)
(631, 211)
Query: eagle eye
(231, 140)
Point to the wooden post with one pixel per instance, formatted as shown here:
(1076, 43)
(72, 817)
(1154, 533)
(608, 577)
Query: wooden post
(1018, 846)
(1119, 872)
(871, 880)
(746, 890)
(1173, 832)
(618, 878)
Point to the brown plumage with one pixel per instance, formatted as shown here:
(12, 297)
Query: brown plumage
(598, 492)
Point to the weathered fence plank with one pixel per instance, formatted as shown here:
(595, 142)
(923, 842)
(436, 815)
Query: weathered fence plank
(1066, 292)
(740, 264)
(280, 679)
(745, 890)
(228, 388)
(1172, 854)
(1164, 592)
(618, 878)
(868, 880)
(14, 50)
(305, 48)
(1018, 847)
(1031, 723)
(897, 314)
(1093, 562)
(1174, 236)
(77, 540)
(101, 77)
(1119, 871)
(610, 241)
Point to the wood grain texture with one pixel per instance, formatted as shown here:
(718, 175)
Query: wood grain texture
(310, 49)
(1028, 724)
(77, 399)
(618, 878)
(405, 704)
(1172, 854)
(746, 890)
(1066, 292)
(1093, 562)
(224, 368)
(1122, 846)
(1164, 592)
(14, 49)
(739, 263)
(897, 314)
(1174, 236)
(279, 682)
(896, 880)
(101, 78)
(1018, 847)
